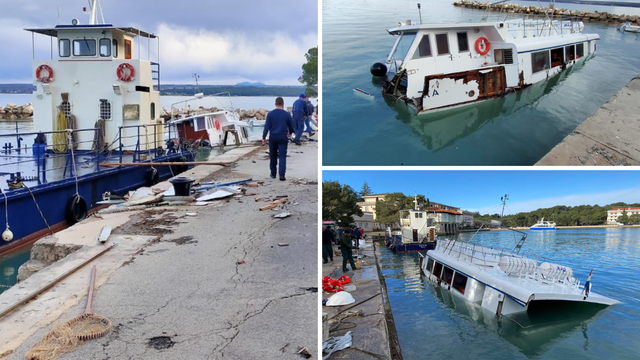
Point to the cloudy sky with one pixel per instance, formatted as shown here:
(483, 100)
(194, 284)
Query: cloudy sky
(225, 42)
(481, 190)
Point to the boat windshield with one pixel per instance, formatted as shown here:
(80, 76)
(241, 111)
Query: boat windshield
(401, 47)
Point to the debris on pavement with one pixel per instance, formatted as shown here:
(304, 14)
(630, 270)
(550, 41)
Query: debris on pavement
(274, 204)
(283, 244)
(240, 262)
(304, 351)
(282, 215)
(336, 343)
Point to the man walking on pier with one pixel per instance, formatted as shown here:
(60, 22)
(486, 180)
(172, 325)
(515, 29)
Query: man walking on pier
(327, 244)
(279, 127)
(299, 116)
(347, 253)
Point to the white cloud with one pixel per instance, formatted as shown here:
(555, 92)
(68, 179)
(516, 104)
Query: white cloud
(273, 58)
(626, 195)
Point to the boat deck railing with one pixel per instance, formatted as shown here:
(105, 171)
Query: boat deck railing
(61, 154)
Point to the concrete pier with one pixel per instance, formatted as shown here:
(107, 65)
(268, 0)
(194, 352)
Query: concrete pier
(374, 334)
(221, 281)
(609, 137)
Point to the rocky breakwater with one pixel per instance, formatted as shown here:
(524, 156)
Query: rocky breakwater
(15, 112)
(584, 16)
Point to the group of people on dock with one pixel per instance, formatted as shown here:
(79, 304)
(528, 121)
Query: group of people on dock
(347, 239)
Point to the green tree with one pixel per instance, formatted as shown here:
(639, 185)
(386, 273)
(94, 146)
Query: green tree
(387, 210)
(634, 219)
(309, 75)
(366, 190)
(624, 218)
(339, 203)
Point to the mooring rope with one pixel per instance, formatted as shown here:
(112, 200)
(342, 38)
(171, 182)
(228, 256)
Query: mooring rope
(73, 160)
(38, 207)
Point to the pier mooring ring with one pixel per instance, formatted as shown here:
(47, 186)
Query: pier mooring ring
(44, 73)
(76, 210)
(483, 45)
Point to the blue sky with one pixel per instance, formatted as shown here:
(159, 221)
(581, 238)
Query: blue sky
(224, 42)
(481, 190)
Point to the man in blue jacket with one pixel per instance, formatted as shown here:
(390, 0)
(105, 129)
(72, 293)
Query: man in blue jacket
(299, 115)
(279, 126)
(308, 120)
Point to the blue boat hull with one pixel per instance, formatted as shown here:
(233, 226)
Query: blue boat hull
(27, 223)
(395, 243)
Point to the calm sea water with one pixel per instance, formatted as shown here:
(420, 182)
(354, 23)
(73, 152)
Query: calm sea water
(517, 129)
(9, 265)
(431, 323)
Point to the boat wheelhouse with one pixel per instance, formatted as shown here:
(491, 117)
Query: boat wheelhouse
(503, 281)
(436, 67)
(418, 232)
(543, 225)
(98, 72)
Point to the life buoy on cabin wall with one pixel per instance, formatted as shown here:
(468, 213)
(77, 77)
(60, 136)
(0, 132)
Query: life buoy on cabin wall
(217, 124)
(483, 45)
(44, 73)
(125, 72)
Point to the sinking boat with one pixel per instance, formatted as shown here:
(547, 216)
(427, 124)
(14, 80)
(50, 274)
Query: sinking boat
(503, 281)
(214, 129)
(543, 225)
(629, 28)
(433, 67)
(95, 101)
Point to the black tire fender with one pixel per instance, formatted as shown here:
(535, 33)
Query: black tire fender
(76, 209)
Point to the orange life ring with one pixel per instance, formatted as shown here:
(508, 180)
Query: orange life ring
(44, 73)
(483, 45)
(125, 72)
(217, 124)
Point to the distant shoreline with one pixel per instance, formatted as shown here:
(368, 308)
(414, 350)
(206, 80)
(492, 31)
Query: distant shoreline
(599, 3)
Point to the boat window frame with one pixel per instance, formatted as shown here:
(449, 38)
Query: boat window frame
(571, 54)
(443, 274)
(106, 109)
(441, 266)
(547, 64)
(114, 44)
(457, 287)
(446, 36)
(196, 123)
(430, 262)
(581, 47)
(467, 41)
(152, 110)
(107, 47)
(68, 52)
(128, 49)
(558, 50)
(417, 54)
(85, 42)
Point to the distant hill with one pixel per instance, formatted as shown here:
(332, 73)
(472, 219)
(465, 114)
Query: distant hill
(241, 89)
(246, 83)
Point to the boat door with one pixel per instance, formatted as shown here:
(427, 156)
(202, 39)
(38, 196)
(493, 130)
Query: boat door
(415, 235)
(444, 56)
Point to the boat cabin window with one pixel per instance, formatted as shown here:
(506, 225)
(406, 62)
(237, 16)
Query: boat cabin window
(463, 42)
(153, 111)
(404, 43)
(503, 56)
(105, 109)
(437, 270)
(540, 61)
(84, 47)
(570, 52)
(200, 124)
(64, 47)
(579, 50)
(115, 48)
(557, 57)
(447, 275)
(430, 264)
(127, 49)
(460, 282)
(105, 47)
(443, 44)
(424, 48)
(418, 215)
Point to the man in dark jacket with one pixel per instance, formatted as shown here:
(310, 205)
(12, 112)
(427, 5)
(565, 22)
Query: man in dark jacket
(307, 121)
(347, 253)
(327, 244)
(299, 116)
(280, 127)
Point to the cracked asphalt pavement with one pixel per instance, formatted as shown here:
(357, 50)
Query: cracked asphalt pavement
(193, 300)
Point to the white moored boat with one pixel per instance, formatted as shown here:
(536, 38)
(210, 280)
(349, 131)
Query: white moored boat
(502, 281)
(629, 28)
(434, 67)
(543, 225)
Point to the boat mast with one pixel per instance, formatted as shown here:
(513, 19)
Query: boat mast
(504, 203)
(93, 12)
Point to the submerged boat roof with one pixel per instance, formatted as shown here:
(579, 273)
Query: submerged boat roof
(53, 32)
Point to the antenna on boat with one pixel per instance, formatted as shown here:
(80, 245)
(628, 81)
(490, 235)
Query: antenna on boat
(504, 203)
(420, 13)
